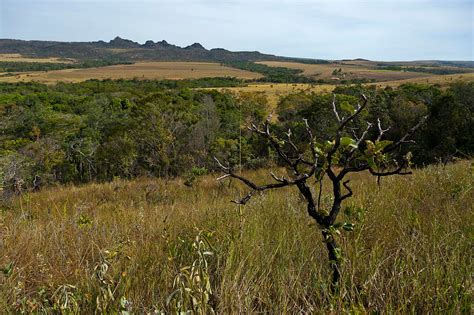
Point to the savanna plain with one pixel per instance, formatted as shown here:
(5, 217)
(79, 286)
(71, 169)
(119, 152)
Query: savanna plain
(112, 201)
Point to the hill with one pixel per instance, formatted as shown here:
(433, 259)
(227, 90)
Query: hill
(125, 50)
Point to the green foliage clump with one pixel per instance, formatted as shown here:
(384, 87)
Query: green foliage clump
(448, 131)
(99, 130)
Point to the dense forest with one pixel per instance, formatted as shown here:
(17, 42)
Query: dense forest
(101, 130)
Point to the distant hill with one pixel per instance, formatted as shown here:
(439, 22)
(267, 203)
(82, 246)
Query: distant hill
(121, 50)
(127, 50)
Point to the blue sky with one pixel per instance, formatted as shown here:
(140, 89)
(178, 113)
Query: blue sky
(331, 29)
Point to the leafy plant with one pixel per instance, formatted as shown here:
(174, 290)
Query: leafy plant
(7, 269)
(107, 298)
(84, 221)
(192, 285)
(65, 300)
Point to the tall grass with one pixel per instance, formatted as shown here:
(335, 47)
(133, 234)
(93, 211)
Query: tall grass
(153, 245)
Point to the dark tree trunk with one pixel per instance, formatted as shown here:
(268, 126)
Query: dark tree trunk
(334, 259)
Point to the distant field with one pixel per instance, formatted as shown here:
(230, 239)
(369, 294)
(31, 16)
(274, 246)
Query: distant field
(277, 90)
(20, 58)
(353, 71)
(140, 70)
(194, 70)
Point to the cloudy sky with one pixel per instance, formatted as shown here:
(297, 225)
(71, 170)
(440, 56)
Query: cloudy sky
(331, 29)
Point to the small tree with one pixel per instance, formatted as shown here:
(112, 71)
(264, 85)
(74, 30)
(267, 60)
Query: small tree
(349, 151)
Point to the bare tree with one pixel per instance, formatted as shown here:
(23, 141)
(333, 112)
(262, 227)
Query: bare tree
(332, 159)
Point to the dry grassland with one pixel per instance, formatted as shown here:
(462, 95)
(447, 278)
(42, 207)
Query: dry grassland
(128, 245)
(20, 58)
(140, 70)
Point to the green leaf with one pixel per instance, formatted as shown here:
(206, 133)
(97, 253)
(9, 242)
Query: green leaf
(8, 269)
(333, 230)
(338, 225)
(348, 142)
(345, 106)
(348, 226)
(338, 253)
(371, 162)
(318, 150)
(380, 145)
(370, 150)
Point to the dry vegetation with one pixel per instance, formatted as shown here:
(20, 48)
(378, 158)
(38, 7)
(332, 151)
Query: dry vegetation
(123, 246)
(139, 70)
(20, 58)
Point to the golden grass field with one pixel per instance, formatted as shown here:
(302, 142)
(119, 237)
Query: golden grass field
(128, 245)
(139, 70)
(20, 58)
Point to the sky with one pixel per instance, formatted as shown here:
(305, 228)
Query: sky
(327, 29)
